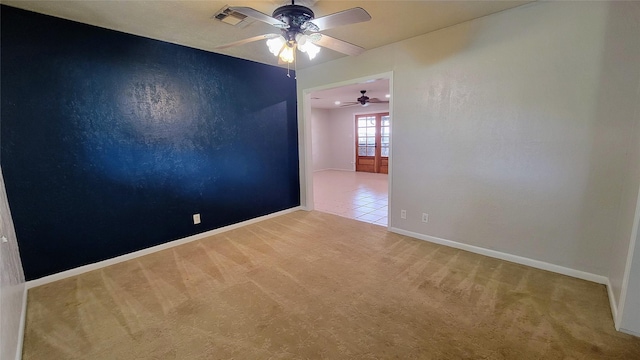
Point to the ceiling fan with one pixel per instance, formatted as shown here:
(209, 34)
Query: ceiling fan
(364, 100)
(300, 29)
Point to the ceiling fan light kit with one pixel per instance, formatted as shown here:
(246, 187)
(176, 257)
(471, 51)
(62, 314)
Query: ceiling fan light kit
(299, 29)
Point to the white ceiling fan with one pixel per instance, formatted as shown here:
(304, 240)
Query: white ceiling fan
(299, 29)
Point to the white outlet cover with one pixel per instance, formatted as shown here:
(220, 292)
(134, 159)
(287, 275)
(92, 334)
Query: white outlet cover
(196, 218)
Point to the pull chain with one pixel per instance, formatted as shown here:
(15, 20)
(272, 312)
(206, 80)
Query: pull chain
(295, 67)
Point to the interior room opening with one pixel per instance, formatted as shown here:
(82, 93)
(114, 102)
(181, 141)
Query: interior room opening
(350, 131)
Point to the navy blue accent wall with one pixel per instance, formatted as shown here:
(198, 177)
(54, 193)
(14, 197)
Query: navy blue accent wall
(111, 142)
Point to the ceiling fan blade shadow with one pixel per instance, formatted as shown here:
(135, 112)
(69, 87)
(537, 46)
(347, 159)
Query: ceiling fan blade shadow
(255, 14)
(339, 45)
(346, 17)
(246, 41)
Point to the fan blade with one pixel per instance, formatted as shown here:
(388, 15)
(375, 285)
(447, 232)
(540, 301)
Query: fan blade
(339, 45)
(253, 13)
(346, 17)
(377, 101)
(246, 41)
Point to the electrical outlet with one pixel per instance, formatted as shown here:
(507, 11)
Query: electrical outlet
(403, 214)
(425, 217)
(196, 219)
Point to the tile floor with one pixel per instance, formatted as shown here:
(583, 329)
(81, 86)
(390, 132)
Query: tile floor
(356, 195)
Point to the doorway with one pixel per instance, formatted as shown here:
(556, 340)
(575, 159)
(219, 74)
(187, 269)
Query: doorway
(333, 183)
(372, 144)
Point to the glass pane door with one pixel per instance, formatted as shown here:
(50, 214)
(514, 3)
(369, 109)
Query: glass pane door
(367, 136)
(373, 143)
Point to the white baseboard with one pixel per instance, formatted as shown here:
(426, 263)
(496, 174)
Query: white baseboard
(528, 262)
(509, 257)
(90, 267)
(629, 332)
(23, 320)
(613, 305)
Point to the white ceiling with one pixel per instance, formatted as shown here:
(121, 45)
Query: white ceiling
(325, 99)
(190, 23)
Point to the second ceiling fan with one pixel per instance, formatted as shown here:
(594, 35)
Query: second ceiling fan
(300, 29)
(364, 100)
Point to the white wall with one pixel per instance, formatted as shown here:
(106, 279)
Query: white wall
(500, 135)
(12, 284)
(630, 318)
(333, 132)
(321, 139)
(617, 83)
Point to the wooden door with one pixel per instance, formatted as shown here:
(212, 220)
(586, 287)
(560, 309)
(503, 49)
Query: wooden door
(372, 143)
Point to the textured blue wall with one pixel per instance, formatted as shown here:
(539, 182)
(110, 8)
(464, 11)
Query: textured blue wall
(110, 142)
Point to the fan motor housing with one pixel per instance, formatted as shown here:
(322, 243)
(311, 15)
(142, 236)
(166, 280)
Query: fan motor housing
(364, 98)
(293, 15)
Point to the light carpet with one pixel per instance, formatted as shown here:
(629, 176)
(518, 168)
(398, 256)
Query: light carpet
(309, 285)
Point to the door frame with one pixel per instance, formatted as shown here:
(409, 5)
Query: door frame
(305, 144)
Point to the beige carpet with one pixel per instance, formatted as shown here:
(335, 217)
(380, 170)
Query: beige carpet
(310, 285)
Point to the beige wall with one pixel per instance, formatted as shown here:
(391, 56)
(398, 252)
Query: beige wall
(12, 284)
(503, 134)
